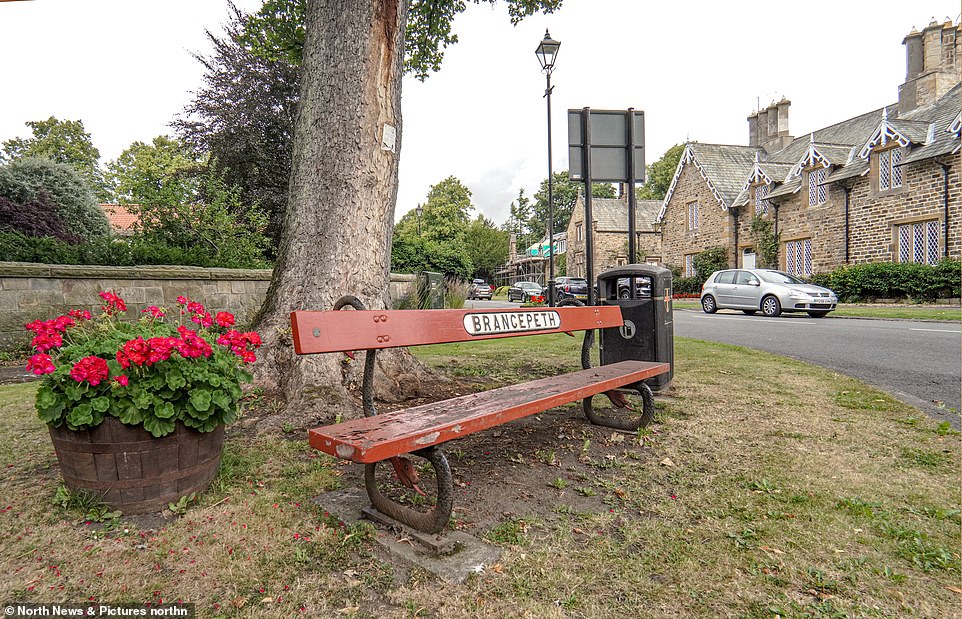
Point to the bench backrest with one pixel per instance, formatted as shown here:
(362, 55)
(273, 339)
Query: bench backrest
(347, 330)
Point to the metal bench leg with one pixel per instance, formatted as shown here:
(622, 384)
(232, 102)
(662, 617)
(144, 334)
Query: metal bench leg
(431, 521)
(619, 403)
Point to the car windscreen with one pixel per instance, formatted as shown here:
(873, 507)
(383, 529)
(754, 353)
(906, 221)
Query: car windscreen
(777, 277)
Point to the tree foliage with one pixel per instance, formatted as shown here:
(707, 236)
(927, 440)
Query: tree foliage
(276, 31)
(26, 180)
(163, 171)
(215, 220)
(487, 247)
(564, 192)
(37, 218)
(62, 141)
(243, 116)
(658, 176)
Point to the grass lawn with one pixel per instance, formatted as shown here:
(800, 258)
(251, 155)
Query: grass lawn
(921, 312)
(766, 488)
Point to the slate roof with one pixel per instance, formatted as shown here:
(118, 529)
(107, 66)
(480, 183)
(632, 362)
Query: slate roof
(933, 131)
(726, 166)
(611, 214)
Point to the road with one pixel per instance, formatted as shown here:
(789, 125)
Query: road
(920, 363)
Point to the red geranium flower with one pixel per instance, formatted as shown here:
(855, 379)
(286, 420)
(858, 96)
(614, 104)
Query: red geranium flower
(90, 369)
(40, 364)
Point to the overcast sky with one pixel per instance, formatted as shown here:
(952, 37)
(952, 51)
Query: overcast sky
(696, 68)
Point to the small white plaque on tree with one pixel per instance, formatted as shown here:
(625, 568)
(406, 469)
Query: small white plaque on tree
(389, 138)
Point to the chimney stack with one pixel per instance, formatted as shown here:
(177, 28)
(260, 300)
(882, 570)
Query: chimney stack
(931, 64)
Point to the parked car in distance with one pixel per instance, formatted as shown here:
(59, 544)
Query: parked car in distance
(571, 288)
(642, 287)
(766, 290)
(479, 289)
(524, 291)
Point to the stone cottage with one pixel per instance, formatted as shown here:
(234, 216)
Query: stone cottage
(610, 234)
(883, 186)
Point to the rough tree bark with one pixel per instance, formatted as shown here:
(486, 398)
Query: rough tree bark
(337, 230)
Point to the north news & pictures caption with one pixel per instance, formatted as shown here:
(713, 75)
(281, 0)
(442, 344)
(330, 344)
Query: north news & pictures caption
(180, 611)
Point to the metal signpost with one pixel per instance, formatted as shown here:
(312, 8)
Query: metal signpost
(606, 146)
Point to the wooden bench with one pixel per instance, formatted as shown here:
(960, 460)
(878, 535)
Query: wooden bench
(421, 429)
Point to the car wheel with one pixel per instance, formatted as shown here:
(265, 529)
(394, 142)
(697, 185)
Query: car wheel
(750, 312)
(817, 314)
(708, 304)
(771, 307)
(624, 294)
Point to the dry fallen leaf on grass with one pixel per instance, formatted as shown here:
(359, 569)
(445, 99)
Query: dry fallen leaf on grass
(770, 549)
(667, 462)
(348, 610)
(954, 589)
(267, 600)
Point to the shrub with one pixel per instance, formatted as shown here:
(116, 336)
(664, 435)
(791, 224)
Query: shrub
(22, 181)
(37, 217)
(16, 247)
(709, 261)
(687, 285)
(887, 280)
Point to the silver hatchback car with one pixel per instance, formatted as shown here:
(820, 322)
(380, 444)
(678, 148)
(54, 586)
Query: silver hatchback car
(771, 292)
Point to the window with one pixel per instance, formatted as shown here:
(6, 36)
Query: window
(816, 191)
(744, 278)
(690, 265)
(693, 216)
(579, 232)
(761, 204)
(725, 277)
(919, 242)
(889, 171)
(798, 257)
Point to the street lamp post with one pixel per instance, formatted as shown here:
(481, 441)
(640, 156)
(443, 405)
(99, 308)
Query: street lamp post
(418, 211)
(546, 52)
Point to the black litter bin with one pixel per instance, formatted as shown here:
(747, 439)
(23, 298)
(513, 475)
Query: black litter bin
(643, 292)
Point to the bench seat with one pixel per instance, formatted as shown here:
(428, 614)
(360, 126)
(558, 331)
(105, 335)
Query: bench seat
(372, 439)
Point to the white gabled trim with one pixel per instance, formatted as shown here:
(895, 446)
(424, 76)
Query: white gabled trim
(811, 159)
(883, 134)
(956, 126)
(688, 157)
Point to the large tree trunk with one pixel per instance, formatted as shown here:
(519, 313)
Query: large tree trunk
(337, 230)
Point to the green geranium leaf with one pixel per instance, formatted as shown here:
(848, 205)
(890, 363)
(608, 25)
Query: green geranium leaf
(158, 427)
(131, 415)
(45, 397)
(52, 413)
(79, 415)
(175, 379)
(221, 399)
(200, 398)
(73, 392)
(164, 410)
(100, 404)
(206, 425)
(141, 398)
(193, 413)
(244, 376)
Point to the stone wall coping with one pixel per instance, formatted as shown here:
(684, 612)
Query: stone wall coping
(153, 271)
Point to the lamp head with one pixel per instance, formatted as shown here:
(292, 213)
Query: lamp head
(547, 51)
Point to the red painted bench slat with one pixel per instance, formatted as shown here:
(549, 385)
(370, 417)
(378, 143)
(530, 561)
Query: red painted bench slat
(373, 439)
(348, 330)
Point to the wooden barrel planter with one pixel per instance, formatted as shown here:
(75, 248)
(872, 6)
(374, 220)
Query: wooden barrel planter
(133, 471)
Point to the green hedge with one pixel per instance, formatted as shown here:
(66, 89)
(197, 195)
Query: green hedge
(16, 247)
(888, 280)
(687, 285)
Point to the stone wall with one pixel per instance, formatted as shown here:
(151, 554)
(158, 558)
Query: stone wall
(31, 291)
(714, 224)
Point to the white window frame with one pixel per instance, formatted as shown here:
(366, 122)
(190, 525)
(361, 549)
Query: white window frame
(693, 216)
(889, 170)
(761, 203)
(919, 242)
(816, 190)
(689, 265)
(579, 232)
(798, 257)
